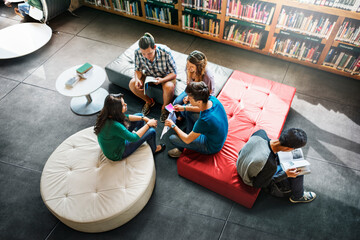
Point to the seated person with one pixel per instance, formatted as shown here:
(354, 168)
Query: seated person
(196, 71)
(114, 130)
(157, 62)
(208, 134)
(23, 8)
(258, 163)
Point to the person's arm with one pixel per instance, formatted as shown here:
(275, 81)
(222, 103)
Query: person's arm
(186, 138)
(143, 130)
(171, 66)
(133, 118)
(138, 73)
(182, 108)
(167, 78)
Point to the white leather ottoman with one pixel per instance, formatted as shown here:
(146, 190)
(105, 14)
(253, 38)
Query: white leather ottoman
(90, 193)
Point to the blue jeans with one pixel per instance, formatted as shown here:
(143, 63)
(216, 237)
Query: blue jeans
(24, 9)
(191, 117)
(180, 99)
(198, 145)
(149, 137)
(295, 184)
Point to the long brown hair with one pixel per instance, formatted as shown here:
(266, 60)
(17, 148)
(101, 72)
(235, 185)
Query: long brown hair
(200, 61)
(112, 110)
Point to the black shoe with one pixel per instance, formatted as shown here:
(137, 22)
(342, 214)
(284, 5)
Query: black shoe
(163, 146)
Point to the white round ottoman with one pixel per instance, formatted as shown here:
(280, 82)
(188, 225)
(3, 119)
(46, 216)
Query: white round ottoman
(90, 193)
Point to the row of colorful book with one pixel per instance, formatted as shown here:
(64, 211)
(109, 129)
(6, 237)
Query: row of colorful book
(351, 5)
(343, 60)
(318, 25)
(203, 5)
(200, 24)
(167, 1)
(296, 48)
(253, 11)
(101, 3)
(244, 35)
(349, 32)
(127, 6)
(161, 14)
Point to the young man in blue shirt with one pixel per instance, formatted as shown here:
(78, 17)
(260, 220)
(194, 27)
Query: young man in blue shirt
(209, 132)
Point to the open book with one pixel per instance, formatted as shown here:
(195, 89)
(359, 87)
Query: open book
(148, 80)
(294, 159)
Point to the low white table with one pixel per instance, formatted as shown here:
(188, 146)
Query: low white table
(88, 97)
(22, 39)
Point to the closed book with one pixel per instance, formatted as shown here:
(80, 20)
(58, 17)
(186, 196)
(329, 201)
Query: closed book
(342, 62)
(84, 68)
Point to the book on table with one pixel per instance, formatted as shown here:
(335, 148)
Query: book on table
(294, 159)
(83, 70)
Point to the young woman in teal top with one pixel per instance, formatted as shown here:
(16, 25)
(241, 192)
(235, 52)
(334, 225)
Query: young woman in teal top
(114, 129)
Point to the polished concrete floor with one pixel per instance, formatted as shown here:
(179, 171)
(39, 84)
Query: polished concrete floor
(35, 119)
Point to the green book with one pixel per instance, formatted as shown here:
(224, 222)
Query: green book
(84, 68)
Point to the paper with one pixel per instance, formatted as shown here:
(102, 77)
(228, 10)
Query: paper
(172, 116)
(170, 108)
(148, 80)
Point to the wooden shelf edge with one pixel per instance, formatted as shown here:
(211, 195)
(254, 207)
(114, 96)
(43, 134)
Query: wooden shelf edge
(314, 65)
(220, 40)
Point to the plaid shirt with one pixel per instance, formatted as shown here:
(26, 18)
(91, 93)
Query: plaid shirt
(163, 64)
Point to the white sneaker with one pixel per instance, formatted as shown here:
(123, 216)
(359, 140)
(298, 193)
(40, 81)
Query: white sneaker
(307, 197)
(175, 153)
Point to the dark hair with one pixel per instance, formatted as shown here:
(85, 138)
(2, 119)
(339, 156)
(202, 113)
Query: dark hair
(293, 138)
(147, 41)
(112, 110)
(199, 60)
(198, 91)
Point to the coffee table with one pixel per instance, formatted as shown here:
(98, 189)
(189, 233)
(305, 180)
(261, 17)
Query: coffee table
(88, 97)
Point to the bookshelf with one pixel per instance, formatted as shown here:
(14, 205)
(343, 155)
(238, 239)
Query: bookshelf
(322, 34)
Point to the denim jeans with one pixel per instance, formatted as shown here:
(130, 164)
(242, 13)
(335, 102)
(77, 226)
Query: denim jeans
(149, 137)
(24, 9)
(190, 117)
(198, 145)
(180, 99)
(295, 184)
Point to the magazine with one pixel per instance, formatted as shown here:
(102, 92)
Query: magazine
(294, 159)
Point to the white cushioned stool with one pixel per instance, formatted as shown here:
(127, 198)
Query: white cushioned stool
(90, 193)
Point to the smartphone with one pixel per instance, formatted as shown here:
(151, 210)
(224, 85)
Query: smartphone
(71, 82)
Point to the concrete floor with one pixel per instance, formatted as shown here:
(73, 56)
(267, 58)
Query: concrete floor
(35, 119)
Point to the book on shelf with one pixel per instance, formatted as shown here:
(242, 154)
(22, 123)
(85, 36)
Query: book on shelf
(350, 5)
(349, 32)
(306, 22)
(296, 48)
(160, 14)
(203, 5)
(201, 24)
(343, 60)
(244, 35)
(294, 159)
(127, 6)
(253, 11)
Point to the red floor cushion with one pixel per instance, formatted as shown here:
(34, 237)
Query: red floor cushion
(251, 103)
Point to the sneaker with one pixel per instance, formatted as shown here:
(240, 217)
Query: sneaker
(307, 197)
(146, 108)
(175, 153)
(164, 115)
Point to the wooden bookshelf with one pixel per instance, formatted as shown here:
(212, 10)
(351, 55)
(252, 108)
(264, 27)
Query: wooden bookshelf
(272, 29)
